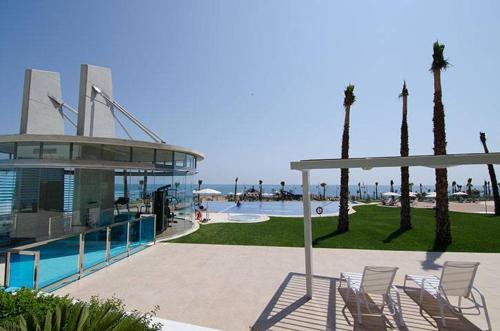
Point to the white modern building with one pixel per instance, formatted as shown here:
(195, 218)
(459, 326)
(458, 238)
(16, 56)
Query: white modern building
(53, 184)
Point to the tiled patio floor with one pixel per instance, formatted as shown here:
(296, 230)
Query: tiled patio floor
(239, 287)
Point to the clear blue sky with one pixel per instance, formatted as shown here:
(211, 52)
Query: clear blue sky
(257, 84)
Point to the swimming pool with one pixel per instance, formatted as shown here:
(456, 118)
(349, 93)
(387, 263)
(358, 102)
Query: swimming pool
(272, 208)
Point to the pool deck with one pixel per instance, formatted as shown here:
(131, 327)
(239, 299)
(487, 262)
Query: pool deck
(236, 287)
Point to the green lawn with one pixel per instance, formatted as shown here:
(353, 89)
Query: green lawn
(371, 227)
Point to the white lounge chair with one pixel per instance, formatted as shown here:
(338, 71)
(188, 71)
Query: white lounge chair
(373, 281)
(457, 280)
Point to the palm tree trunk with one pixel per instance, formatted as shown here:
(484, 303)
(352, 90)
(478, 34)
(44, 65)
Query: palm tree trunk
(343, 224)
(145, 185)
(494, 183)
(125, 184)
(125, 187)
(199, 188)
(405, 222)
(443, 231)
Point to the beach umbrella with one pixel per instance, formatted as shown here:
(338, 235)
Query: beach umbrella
(391, 194)
(431, 195)
(207, 191)
(460, 193)
(413, 194)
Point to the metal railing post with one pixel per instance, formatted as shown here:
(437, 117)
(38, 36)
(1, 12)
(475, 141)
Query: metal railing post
(154, 229)
(108, 244)
(140, 231)
(128, 239)
(50, 227)
(81, 255)
(70, 222)
(6, 279)
(37, 270)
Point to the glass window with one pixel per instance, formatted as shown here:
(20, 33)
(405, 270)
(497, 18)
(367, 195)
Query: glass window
(190, 161)
(165, 157)
(7, 151)
(55, 151)
(180, 160)
(86, 152)
(143, 154)
(116, 153)
(28, 150)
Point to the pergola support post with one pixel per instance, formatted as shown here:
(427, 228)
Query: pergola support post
(306, 200)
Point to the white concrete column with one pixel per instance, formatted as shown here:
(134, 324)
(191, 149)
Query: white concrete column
(306, 200)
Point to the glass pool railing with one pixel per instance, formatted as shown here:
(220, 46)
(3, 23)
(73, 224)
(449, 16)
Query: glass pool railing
(52, 263)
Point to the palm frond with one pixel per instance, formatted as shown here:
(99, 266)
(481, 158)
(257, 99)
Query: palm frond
(349, 97)
(482, 137)
(438, 60)
(404, 91)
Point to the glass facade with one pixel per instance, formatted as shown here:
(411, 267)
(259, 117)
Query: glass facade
(45, 203)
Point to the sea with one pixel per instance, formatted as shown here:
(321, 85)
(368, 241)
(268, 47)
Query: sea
(367, 191)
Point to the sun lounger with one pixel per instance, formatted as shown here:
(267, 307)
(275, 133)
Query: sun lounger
(373, 281)
(457, 280)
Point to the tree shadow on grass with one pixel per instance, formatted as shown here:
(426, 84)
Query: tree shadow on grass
(432, 255)
(394, 235)
(333, 234)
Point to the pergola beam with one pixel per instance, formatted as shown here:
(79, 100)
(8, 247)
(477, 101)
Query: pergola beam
(430, 161)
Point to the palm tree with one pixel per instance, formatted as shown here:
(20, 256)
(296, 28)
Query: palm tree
(199, 188)
(405, 220)
(359, 190)
(392, 185)
(469, 187)
(323, 185)
(235, 187)
(343, 225)
(453, 187)
(260, 189)
(443, 230)
(493, 176)
(421, 191)
(376, 190)
(282, 183)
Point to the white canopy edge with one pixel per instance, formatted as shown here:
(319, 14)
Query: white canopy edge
(430, 161)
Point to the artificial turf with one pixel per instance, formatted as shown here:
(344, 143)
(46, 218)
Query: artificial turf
(371, 227)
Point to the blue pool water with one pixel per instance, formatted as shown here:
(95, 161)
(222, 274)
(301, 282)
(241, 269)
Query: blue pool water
(59, 259)
(272, 208)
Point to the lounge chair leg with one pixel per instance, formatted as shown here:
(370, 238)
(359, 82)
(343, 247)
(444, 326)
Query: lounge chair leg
(358, 306)
(441, 311)
(345, 315)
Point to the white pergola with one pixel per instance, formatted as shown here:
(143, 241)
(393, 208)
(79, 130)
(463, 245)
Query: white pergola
(430, 161)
